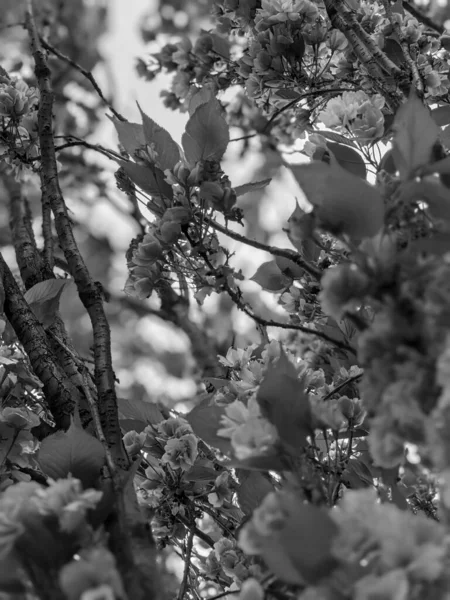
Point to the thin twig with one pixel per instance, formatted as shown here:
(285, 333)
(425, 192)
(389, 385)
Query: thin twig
(84, 72)
(342, 385)
(289, 254)
(187, 564)
(415, 12)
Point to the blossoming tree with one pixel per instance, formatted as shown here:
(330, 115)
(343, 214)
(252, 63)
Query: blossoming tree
(314, 464)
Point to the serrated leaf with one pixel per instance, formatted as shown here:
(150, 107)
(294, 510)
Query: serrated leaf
(72, 452)
(415, 134)
(205, 420)
(131, 135)
(150, 180)
(207, 133)
(301, 227)
(357, 474)
(127, 425)
(253, 488)
(147, 412)
(343, 202)
(240, 190)
(44, 298)
(284, 402)
(387, 163)
(348, 159)
(441, 115)
(270, 278)
(7, 436)
(167, 149)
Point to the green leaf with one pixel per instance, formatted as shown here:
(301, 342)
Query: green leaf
(7, 436)
(270, 278)
(438, 245)
(207, 134)
(167, 149)
(148, 412)
(240, 190)
(252, 490)
(349, 159)
(221, 45)
(72, 452)
(131, 135)
(415, 134)
(343, 202)
(387, 163)
(285, 404)
(150, 180)
(441, 115)
(44, 298)
(205, 420)
(127, 425)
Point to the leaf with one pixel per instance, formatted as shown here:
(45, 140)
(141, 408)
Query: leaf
(207, 134)
(12, 579)
(7, 437)
(205, 420)
(394, 51)
(44, 297)
(131, 135)
(287, 94)
(240, 190)
(301, 548)
(252, 490)
(167, 149)
(415, 134)
(441, 115)
(441, 166)
(344, 203)
(127, 425)
(434, 194)
(387, 163)
(349, 159)
(270, 278)
(148, 412)
(357, 474)
(289, 268)
(438, 245)
(221, 45)
(285, 404)
(336, 137)
(202, 96)
(199, 473)
(150, 180)
(72, 452)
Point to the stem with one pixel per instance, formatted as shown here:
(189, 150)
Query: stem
(187, 561)
(289, 254)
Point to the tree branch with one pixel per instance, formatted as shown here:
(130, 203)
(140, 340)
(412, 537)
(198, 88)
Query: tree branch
(84, 72)
(88, 290)
(415, 12)
(59, 392)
